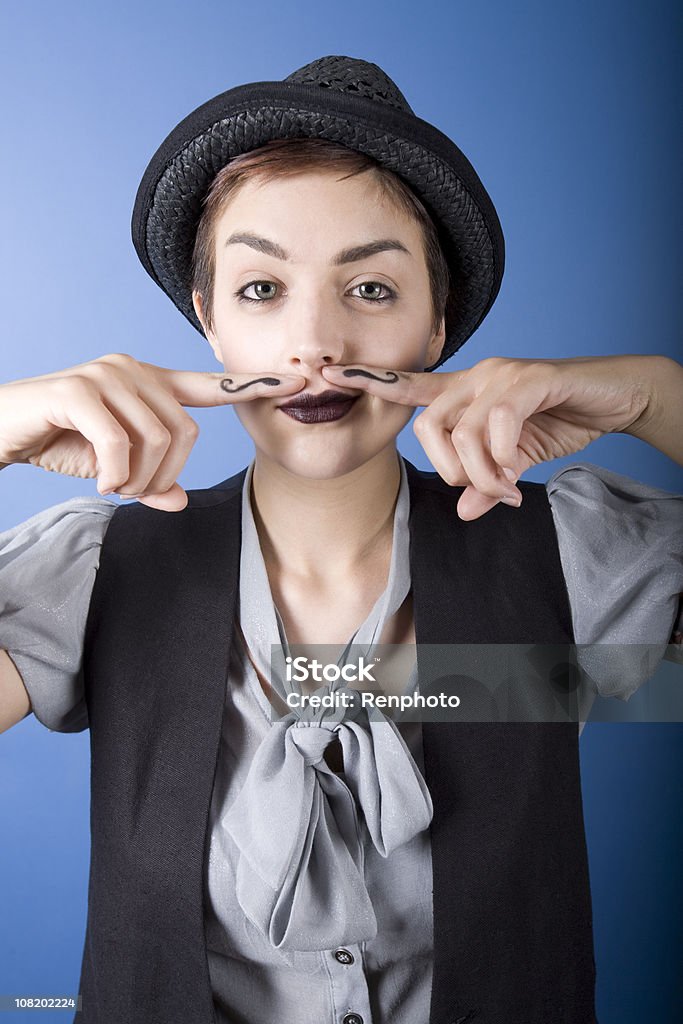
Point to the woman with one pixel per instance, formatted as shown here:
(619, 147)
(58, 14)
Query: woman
(253, 859)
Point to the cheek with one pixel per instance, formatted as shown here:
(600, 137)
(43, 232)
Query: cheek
(397, 416)
(405, 347)
(237, 359)
(248, 414)
(242, 352)
(236, 344)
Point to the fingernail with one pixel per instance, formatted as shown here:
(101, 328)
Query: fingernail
(509, 473)
(511, 499)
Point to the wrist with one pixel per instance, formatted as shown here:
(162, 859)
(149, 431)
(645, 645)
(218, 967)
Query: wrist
(660, 423)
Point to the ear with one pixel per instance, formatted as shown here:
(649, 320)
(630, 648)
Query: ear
(436, 344)
(210, 336)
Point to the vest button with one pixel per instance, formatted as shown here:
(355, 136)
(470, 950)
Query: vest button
(344, 956)
(352, 1018)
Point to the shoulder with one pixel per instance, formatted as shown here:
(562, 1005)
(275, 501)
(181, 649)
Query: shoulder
(432, 483)
(226, 492)
(431, 496)
(588, 478)
(584, 493)
(140, 537)
(137, 527)
(75, 523)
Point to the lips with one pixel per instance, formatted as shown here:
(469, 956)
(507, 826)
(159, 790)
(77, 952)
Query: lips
(323, 407)
(306, 400)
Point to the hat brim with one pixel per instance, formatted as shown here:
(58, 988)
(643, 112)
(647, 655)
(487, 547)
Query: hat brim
(168, 204)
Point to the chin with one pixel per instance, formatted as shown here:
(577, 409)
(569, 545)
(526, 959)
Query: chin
(320, 458)
(325, 451)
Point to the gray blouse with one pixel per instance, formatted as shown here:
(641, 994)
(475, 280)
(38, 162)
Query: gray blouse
(319, 883)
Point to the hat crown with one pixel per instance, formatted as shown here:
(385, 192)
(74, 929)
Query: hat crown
(351, 75)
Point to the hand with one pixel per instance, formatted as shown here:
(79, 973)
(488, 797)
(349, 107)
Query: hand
(484, 426)
(121, 421)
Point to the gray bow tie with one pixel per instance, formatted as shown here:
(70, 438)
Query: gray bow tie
(295, 822)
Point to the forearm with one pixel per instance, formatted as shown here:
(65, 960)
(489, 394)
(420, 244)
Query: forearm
(661, 422)
(15, 703)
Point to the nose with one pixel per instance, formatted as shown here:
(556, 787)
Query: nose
(313, 336)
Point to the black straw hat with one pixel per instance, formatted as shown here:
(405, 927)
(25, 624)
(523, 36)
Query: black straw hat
(348, 101)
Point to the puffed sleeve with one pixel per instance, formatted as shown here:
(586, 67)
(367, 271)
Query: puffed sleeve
(47, 571)
(621, 548)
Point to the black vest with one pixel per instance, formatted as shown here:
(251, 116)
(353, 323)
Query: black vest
(512, 911)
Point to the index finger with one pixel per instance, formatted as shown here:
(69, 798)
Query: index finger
(199, 390)
(404, 387)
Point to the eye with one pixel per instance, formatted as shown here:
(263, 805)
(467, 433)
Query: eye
(266, 291)
(374, 288)
(241, 295)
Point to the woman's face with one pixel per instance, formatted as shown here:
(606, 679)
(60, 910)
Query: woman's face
(314, 305)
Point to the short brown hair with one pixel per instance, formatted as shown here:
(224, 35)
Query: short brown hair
(282, 157)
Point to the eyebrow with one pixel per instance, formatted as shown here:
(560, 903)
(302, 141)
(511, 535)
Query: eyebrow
(350, 255)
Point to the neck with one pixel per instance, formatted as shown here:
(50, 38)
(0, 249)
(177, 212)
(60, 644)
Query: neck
(320, 529)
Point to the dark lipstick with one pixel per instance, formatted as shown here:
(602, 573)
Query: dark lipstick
(324, 407)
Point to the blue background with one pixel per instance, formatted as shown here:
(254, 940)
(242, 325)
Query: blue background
(571, 114)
